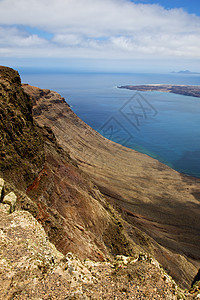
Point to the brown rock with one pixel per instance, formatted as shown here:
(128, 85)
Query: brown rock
(5, 208)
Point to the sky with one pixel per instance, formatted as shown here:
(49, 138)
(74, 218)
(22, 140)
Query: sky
(101, 35)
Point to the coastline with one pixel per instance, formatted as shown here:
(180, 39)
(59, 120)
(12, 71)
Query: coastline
(185, 90)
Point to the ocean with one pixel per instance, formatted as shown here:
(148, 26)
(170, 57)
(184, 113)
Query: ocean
(162, 125)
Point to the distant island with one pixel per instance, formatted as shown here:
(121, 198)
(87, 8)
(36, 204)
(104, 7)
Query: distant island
(186, 90)
(185, 72)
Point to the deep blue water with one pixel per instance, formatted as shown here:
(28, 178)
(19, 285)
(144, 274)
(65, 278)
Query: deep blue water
(162, 125)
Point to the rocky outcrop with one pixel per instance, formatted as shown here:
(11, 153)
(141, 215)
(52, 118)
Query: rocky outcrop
(7, 202)
(10, 200)
(32, 268)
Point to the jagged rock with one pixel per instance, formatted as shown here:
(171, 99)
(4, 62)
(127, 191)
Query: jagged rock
(8, 202)
(25, 253)
(124, 260)
(21, 143)
(5, 208)
(1, 189)
(32, 268)
(10, 199)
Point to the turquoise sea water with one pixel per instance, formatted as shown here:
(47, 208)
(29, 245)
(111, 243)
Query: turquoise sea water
(162, 125)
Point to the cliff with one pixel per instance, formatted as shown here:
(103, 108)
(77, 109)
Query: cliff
(93, 197)
(150, 196)
(61, 197)
(21, 142)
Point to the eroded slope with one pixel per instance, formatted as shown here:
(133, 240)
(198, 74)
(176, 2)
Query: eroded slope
(151, 196)
(32, 268)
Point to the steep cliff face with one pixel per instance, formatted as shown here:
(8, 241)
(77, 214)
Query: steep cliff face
(149, 195)
(21, 144)
(60, 196)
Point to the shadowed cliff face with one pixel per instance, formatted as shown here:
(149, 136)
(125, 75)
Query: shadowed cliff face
(21, 144)
(149, 195)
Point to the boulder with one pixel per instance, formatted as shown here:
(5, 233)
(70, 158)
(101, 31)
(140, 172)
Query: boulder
(10, 199)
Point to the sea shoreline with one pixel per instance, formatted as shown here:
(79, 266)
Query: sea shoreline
(185, 90)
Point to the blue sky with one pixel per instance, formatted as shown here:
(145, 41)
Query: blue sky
(101, 35)
(191, 6)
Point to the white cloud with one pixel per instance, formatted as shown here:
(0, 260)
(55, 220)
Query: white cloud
(68, 39)
(97, 29)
